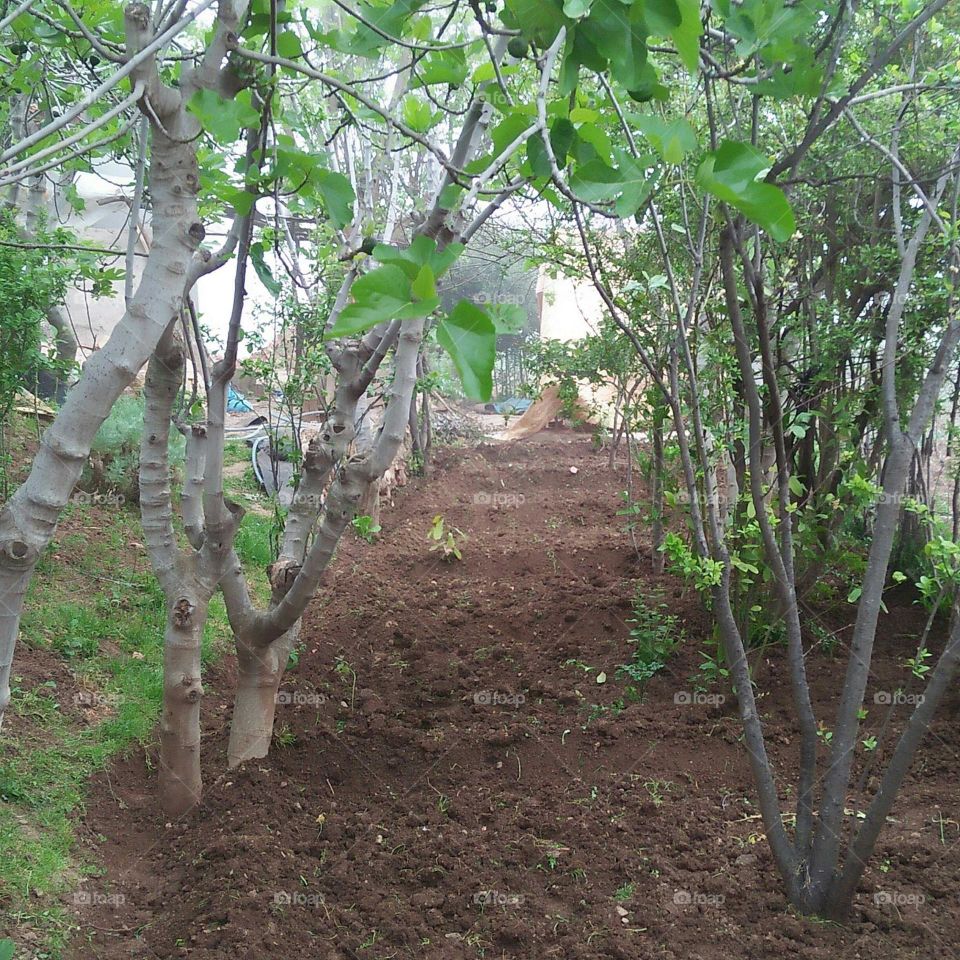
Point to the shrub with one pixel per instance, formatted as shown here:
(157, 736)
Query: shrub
(115, 453)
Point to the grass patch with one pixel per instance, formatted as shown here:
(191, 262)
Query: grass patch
(96, 606)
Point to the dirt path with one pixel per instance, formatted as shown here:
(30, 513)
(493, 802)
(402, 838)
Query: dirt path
(451, 781)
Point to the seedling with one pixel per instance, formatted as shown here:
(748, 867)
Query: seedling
(657, 789)
(654, 636)
(365, 528)
(918, 665)
(447, 540)
(348, 675)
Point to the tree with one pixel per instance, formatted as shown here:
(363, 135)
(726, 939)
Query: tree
(411, 127)
(763, 289)
(28, 519)
(381, 310)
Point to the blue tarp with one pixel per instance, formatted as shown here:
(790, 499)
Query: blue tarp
(513, 405)
(237, 402)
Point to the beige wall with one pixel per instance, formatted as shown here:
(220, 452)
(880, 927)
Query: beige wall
(569, 308)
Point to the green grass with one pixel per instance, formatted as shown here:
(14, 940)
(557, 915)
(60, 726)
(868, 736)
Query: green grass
(94, 603)
(253, 541)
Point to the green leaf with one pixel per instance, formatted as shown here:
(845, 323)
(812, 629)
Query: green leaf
(508, 129)
(449, 196)
(562, 137)
(390, 18)
(731, 174)
(686, 37)
(629, 183)
(263, 269)
(638, 181)
(7, 948)
(508, 318)
(470, 337)
(442, 66)
(574, 9)
(802, 80)
(422, 251)
(620, 35)
(672, 139)
(538, 20)
(595, 181)
(648, 86)
(595, 136)
(537, 155)
(382, 294)
(417, 114)
(337, 194)
(240, 200)
(424, 285)
(662, 16)
(288, 45)
(74, 198)
(223, 119)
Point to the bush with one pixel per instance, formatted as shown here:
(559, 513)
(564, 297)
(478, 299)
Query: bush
(31, 282)
(655, 634)
(114, 464)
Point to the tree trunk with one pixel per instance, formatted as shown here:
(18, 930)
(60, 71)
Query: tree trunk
(261, 671)
(28, 521)
(67, 346)
(656, 497)
(181, 784)
(370, 504)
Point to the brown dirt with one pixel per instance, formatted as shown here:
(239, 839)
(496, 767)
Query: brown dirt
(406, 815)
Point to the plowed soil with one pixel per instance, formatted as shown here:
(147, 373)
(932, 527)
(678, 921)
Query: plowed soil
(450, 780)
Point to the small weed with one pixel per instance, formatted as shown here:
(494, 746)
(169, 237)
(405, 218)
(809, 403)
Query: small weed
(284, 736)
(347, 674)
(658, 790)
(712, 671)
(447, 540)
(624, 893)
(365, 528)
(654, 636)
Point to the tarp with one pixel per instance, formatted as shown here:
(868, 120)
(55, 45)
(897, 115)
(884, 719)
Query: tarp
(237, 402)
(512, 406)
